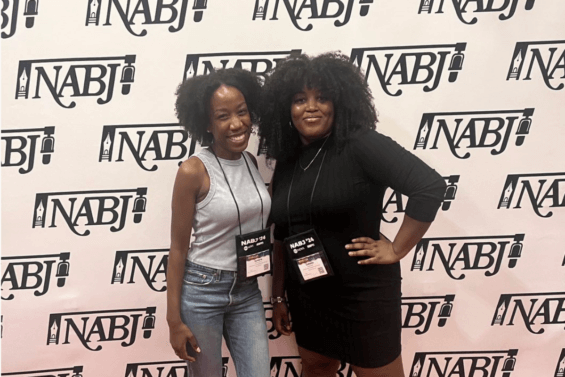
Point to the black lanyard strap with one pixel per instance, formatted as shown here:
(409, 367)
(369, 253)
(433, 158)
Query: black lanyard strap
(311, 195)
(256, 188)
(231, 191)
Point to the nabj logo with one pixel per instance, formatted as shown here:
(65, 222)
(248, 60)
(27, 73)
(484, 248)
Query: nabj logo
(175, 368)
(467, 11)
(535, 310)
(548, 58)
(33, 272)
(338, 10)
(81, 209)
(75, 77)
(10, 12)
(542, 190)
(466, 131)
(150, 265)
(255, 61)
(99, 326)
(421, 66)
(147, 144)
(456, 255)
(21, 146)
(143, 12)
(418, 313)
(464, 363)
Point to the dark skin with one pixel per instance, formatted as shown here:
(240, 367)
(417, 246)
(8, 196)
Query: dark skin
(230, 124)
(191, 186)
(365, 249)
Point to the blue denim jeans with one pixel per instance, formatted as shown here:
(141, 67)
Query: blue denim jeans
(214, 303)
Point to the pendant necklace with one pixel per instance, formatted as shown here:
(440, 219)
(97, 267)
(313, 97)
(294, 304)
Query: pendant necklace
(317, 153)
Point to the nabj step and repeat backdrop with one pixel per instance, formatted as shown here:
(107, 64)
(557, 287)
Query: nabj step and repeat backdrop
(90, 148)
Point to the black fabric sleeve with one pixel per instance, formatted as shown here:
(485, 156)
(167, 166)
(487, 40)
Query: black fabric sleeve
(281, 230)
(386, 162)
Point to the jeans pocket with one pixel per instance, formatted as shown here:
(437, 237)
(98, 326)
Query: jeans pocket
(195, 277)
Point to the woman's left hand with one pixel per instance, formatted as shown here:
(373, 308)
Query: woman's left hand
(377, 252)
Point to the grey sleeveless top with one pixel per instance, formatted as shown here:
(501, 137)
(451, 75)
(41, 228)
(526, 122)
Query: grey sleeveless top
(215, 222)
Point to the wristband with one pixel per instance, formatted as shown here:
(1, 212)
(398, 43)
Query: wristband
(277, 300)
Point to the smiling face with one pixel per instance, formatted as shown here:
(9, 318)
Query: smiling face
(230, 122)
(312, 114)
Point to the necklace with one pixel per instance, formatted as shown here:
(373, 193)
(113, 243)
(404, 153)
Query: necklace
(317, 153)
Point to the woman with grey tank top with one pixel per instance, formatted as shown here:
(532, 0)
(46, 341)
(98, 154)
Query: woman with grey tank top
(219, 198)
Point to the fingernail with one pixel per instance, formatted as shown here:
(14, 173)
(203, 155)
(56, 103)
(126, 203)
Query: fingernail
(350, 254)
(198, 349)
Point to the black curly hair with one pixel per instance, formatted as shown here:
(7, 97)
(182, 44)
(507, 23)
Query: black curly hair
(192, 106)
(332, 74)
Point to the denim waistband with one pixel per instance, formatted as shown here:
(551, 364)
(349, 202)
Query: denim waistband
(209, 270)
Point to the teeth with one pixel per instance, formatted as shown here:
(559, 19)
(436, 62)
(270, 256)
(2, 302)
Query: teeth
(238, 138)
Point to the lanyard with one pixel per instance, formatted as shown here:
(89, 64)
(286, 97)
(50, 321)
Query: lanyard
(233, 196)
(311, 195)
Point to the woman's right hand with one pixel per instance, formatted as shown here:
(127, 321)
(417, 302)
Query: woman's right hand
(281, 319)
(180, 336)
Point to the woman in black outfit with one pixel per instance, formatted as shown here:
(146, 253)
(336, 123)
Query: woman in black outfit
(332, 170)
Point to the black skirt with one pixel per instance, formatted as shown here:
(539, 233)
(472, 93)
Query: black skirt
(320, 326)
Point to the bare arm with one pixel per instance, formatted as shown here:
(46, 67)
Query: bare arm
(385, 252)
(280, 310)
(188, 184)
(410, 233)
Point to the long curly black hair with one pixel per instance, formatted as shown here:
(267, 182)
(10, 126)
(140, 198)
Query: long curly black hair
(192, 106)
(336, 78)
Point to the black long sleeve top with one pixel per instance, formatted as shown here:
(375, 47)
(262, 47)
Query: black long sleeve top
(347, 203)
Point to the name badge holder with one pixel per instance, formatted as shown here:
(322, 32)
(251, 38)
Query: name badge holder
(308, 256)
(253, 254)
(305, 249)
(253, 249)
